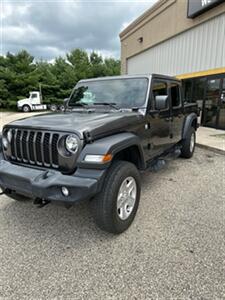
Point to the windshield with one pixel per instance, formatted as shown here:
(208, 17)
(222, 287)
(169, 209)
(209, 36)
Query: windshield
(123, 93)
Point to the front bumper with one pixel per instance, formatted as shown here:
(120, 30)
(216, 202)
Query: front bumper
(47, 184)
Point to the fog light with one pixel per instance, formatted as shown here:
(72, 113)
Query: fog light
(65, 191)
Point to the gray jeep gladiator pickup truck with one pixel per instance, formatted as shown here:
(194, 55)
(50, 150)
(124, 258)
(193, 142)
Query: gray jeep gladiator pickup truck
(111, 129)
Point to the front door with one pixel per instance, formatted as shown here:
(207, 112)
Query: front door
(159, 122)
(214, 106)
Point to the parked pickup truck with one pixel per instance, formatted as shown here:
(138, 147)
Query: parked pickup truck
(112, 129)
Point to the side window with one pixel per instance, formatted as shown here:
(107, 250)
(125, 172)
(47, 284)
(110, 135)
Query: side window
(159, 88)
(34, 96)
(175, 94)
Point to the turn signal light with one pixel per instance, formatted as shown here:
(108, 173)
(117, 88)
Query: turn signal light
(107, 158)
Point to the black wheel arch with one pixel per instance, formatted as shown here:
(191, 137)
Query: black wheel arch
(125, 146)
(190, 121)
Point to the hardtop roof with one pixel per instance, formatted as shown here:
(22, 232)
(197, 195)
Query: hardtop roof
(153, 75)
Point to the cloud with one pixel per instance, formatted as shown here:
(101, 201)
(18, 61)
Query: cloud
(51, 28)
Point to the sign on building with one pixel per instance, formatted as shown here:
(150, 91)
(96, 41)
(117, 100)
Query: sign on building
(197, 7)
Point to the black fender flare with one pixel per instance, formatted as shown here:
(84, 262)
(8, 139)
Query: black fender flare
(111, 145)
(188, 121)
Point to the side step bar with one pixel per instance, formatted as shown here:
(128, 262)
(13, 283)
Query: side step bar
(159, 162)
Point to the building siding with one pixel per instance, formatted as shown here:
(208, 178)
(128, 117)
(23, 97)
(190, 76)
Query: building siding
(198, 49)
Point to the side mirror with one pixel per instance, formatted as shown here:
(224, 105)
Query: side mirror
(161, 102)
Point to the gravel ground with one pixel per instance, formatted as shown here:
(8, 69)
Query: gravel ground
(173, 250)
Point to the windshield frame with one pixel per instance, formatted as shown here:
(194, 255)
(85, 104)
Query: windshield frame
(142, 109)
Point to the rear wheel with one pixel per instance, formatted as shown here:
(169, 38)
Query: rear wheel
(62, 108)
(53, 107)
(188, 145)
(115, 207)
(26, 108)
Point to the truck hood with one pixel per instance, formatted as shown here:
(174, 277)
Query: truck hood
(97, 124)
(22, 101)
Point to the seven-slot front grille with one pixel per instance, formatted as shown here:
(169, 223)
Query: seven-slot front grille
(35, 147)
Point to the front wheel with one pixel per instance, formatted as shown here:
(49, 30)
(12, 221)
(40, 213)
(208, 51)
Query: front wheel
(188, 145)
(26, 108)
(115, 207)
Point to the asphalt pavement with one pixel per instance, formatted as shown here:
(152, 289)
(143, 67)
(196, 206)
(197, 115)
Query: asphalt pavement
(175, 248)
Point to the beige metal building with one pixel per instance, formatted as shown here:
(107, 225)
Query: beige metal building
(183, 38)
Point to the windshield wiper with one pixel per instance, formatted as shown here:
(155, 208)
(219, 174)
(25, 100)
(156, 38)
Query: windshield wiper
(111, 104)
(78, 104)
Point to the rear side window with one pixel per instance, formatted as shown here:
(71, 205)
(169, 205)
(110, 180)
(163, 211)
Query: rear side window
(175, 94)
(159, 88)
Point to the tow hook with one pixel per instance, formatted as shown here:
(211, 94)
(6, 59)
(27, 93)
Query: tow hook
(41, 202)
(4, 191)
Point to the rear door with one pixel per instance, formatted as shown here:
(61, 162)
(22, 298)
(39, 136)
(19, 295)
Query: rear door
(177, 116)
(159, 122)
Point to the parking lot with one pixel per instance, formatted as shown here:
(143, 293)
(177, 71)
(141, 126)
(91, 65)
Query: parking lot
(7, 117)
(173, 250)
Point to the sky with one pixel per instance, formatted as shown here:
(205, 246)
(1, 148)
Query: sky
(48, 29)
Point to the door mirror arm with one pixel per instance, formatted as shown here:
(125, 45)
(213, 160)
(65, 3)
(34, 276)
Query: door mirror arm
(154, 113)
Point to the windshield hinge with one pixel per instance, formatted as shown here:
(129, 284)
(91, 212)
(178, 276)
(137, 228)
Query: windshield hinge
(88, 137)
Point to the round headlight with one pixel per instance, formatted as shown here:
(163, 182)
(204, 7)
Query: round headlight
(5, 142)
(72, 143)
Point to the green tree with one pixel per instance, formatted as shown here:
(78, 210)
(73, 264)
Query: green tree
(80, 61)
(66, 75)
(112, 67)
(97, 65)
(49, 82)
(20, 74)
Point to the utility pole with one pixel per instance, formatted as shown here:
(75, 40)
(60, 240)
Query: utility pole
(40, 92)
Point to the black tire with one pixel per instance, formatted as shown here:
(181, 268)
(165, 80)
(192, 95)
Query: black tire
(26, 108)
(62, 108)
(53, 107)
(17, 197)
(105, 210)
(188, 149)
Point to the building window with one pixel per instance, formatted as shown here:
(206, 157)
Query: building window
(199, 89)
(187, 86)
